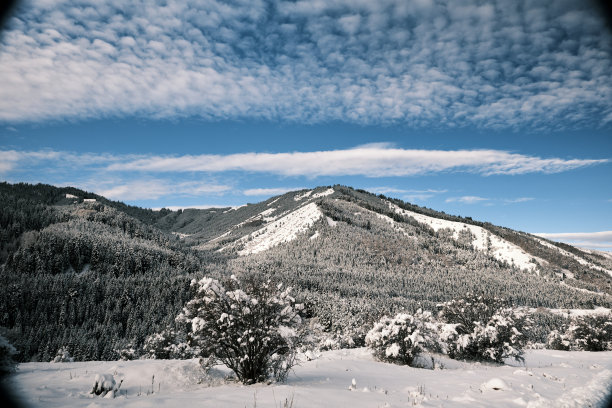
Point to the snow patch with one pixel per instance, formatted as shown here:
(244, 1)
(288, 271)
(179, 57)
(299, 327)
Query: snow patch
(260, 216)
(327, 192)
(392, 222)
(484, 240)
(266, 215)
(302, 196)
(578, 259)
(284, 229)
(577, 312)
(234, 208)
(273, 201)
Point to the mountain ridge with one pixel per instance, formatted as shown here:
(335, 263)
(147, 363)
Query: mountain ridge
(351, 256)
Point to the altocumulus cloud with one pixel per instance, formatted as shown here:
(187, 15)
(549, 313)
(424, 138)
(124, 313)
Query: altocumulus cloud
(504, 64)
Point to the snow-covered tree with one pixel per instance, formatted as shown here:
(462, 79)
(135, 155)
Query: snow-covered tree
(401, 338)
(249, 325)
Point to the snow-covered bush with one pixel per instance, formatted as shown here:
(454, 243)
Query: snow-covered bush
(250, 325)
(63, 356)
(169, 344)
(559, 340)
(105, 386)
(590, 333)
(465, 312)
(401, 338)
(484, 330)
(127, 353)
(351, 338)
(7, 352)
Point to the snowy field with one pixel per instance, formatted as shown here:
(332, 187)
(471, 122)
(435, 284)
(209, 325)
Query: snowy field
(547, 379)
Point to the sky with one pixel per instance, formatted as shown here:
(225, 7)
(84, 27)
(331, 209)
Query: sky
(501, 111)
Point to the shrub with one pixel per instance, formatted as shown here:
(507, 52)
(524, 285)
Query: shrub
(168, 344)
(559, 340)
(484, 330)
(401, 338)
(248, 325)
(466, 312)
(592, 333)
(127, 353)
(589, 333)
(63, 356)
(7, 352)
(105, 386)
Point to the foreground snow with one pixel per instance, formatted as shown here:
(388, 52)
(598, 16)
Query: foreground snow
(548, 379)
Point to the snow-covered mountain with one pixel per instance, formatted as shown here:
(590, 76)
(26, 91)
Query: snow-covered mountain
(351, 256)
(259, 227)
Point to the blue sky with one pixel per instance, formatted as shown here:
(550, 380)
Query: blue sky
(501, 111)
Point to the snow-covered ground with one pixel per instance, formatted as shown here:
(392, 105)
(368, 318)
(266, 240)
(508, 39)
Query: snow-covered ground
(548, 379)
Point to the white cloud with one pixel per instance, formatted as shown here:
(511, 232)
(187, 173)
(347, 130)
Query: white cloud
(600, 236)
(365, 161)
(518, 200)
(387, 190)
(187, 207)
(269, 191)
(595, 240)
(417, 197)
(408, 194)
(488, 201)
(154, 189)
(537, 65)
(466, 199)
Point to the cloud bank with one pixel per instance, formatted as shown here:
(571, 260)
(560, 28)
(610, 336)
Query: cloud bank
(596, 240)
(532, 64)
(368, 161)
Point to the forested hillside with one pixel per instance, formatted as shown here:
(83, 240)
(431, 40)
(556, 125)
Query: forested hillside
(96, 275)
(87, 274)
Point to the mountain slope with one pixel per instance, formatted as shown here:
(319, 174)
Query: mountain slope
(258, 227)
(97, 275)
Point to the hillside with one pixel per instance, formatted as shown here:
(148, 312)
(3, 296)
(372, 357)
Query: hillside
(95, 274)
